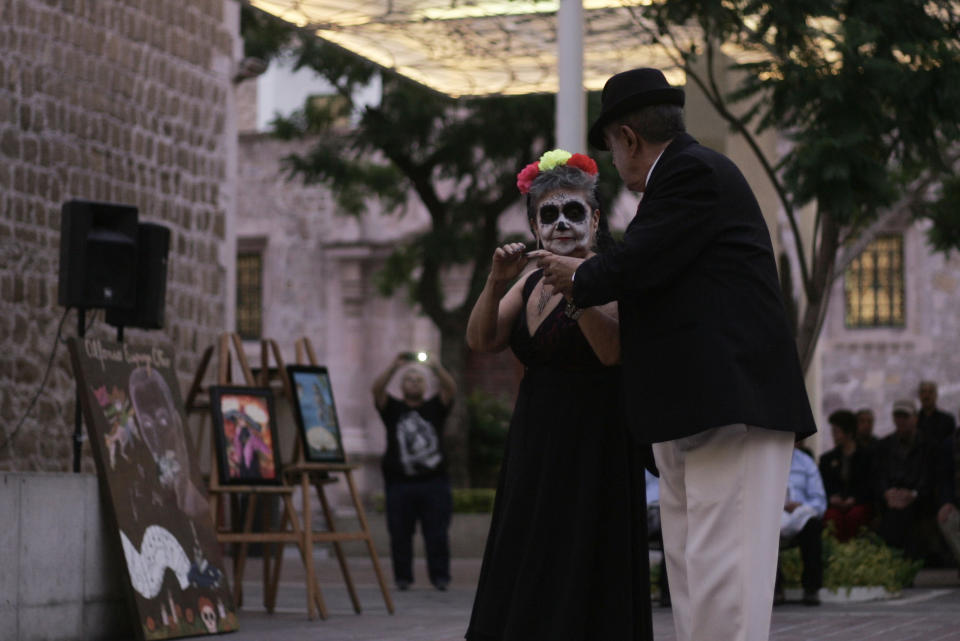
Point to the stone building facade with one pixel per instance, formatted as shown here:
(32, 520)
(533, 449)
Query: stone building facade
(319, 268)
(873, 367)
(136, 102)
(126, 102)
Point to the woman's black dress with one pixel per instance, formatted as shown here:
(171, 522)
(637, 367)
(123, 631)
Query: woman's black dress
(566, 557)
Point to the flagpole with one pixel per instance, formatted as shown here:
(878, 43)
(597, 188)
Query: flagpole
(571, 108)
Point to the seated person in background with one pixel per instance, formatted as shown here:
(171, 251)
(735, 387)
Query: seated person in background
(654, 532)
(801, 524)
(947, 491)
(933, 424)
(865, 420)
(904, 467)
(847, 478)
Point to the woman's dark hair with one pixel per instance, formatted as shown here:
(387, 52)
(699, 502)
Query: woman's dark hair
(571, 179)
(845, 421)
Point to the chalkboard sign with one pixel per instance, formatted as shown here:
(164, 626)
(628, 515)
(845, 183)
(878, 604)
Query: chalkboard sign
(135, 421)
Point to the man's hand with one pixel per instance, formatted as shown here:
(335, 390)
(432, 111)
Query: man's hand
(790, 506)
(899, 498)
(893, 498)
(945, 511)
(557, 270)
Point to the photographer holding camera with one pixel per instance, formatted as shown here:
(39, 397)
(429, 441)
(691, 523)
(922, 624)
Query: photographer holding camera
(414, 468)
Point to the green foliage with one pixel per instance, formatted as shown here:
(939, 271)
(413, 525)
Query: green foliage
(861, 561)
(655, 579)
(488, 422)
(473, 500)
(458, 157)
(264, 36)
(609, 183)
(869, 93)
(944, 212)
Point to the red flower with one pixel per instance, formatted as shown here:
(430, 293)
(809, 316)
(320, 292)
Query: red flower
(583, 163)
(526, 176)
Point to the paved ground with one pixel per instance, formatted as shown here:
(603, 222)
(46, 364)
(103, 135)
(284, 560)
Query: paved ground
(928, 612)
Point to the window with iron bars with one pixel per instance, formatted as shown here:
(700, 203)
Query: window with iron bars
(250, 294)
(874, 285)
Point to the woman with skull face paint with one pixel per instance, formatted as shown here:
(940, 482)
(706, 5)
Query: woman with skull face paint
(566, 556)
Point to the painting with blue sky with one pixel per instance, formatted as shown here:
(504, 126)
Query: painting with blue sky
(317, 414)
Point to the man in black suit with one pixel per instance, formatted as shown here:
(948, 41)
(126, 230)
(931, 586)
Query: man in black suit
(934, 424)
(710, 370)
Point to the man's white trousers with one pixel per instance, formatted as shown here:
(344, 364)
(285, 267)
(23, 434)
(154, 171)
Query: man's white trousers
(721, 496)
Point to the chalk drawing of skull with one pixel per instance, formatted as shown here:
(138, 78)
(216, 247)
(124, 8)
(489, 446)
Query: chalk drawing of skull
(207, 614)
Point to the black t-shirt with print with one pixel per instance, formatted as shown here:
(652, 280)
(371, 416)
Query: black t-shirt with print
(414, 439)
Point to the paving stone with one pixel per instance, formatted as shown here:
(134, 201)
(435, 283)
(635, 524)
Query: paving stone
(930, 612)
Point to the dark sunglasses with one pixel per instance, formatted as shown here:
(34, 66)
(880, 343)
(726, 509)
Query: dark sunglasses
(573, 211)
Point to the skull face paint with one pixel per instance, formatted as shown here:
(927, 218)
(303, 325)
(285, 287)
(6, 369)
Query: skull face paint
(565, 223)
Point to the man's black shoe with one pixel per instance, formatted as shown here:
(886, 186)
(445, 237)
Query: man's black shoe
(403, 586)
(441, 585)
(811, 598)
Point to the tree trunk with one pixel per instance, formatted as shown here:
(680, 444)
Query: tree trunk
(453, 354)
(818, 292)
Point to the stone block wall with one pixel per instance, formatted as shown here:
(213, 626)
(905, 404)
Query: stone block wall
(319, 267)
(119, 101)
(874, 367)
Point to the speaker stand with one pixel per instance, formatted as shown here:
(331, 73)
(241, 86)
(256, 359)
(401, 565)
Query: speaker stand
(78, 416)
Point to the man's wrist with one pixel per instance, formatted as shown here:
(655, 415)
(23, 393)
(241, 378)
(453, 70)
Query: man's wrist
(573, 311)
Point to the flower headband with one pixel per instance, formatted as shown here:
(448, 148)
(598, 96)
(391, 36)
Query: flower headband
(551, 160)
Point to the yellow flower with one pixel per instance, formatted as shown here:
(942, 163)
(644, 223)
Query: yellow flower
(553, 159)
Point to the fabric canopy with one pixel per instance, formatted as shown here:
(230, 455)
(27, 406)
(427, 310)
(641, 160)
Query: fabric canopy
(480, 47)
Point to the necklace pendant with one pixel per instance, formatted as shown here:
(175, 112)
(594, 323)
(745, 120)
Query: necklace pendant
(544, 297)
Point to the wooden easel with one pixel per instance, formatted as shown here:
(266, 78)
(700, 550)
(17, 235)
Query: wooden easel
(198, 401)
(300, 535)
(306, 473)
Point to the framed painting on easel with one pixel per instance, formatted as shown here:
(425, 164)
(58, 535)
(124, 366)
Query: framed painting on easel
(135, 422)
(316, 414)
(245, 431)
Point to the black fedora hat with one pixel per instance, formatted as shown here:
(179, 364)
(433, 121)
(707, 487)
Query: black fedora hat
(629, 90)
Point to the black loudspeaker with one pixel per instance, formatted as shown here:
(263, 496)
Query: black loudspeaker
(153, 245)
(98, 255)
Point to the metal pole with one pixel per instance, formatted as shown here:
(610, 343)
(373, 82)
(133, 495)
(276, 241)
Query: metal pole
(78, 417)
(571, 97)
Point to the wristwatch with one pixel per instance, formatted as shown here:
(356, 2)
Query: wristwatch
(573, 311)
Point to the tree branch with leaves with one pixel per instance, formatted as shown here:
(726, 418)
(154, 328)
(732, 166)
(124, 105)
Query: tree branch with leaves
(457, 157)
(866, 93)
